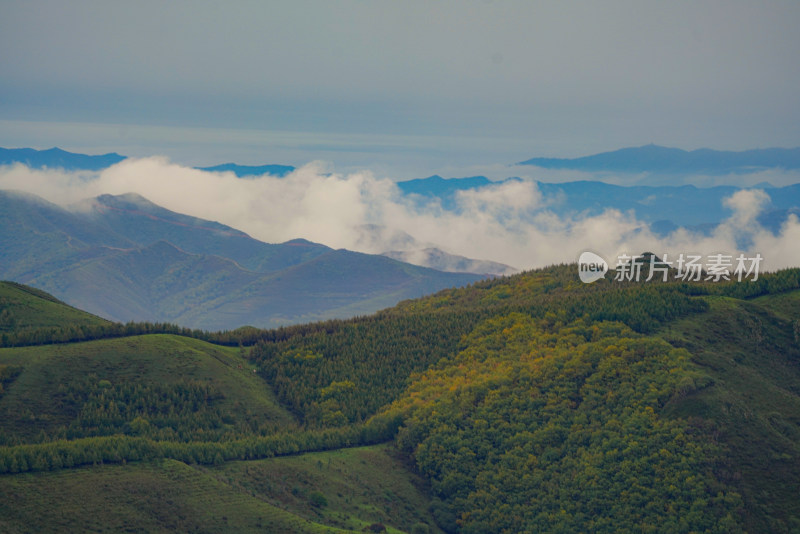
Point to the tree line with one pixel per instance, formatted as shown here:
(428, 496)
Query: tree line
(61, 454)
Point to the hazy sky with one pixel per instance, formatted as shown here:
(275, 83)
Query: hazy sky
(401, 86)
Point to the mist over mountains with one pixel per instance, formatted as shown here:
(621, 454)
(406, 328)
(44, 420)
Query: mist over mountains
(426, 364)
(135, 238)
(55, 158)
(667, 207)
(400, 267)
(125, 258)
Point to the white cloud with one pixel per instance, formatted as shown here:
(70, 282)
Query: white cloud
(506, 222)
(746, 205)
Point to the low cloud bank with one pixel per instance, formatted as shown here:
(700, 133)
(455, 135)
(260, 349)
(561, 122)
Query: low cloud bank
(508, 223)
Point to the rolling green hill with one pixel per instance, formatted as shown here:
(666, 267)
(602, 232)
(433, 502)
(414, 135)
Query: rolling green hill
(532, 403)
(340, 491)
(24, 307)
(567, 382)
(165, 496)
(359, 487)
(68, 390)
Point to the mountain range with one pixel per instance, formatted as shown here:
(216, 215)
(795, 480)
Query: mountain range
(55, 158)
(665, 208)
(453, 263)
(658, 159)
(526, 403)
(125, 258)
(643, 159)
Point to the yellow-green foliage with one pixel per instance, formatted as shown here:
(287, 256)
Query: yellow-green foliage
(536, 427)
(533, 404)
(342, 372)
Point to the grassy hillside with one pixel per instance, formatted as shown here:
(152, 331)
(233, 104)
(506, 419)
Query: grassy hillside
(164, 496)
(532, 403)
(339, 491)
(348, 488)
(24, 308)
(167, 387)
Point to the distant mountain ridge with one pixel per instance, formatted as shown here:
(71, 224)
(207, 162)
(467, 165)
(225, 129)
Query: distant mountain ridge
(55, 158)
(659, 159)
(643, 159)
(437, 186)
(664, 207)
(145, 223)
(442, 261)
(670, 206)
(127, 259)
(445, 189)
(244, 171)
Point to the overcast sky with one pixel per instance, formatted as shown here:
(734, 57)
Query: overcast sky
(381, 83)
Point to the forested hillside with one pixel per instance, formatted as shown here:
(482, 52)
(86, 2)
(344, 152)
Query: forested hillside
(532, 403)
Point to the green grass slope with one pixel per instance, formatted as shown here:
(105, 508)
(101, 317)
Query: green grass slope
(348, 488)
(338, 491)
(167, 382)
(163, 496)
(23, 307)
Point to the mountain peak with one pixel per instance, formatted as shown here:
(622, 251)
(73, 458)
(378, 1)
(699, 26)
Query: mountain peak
(125, 199)
(299, 242)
